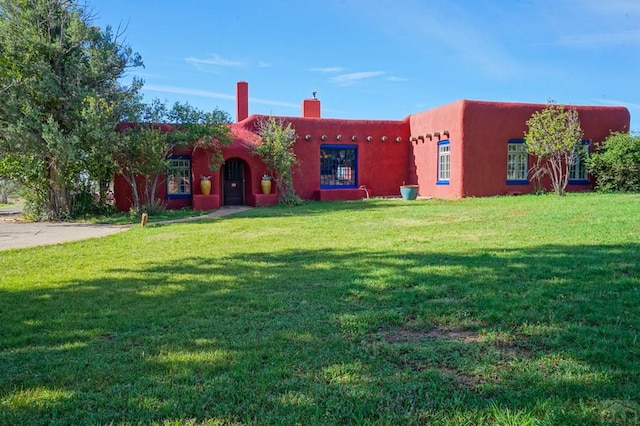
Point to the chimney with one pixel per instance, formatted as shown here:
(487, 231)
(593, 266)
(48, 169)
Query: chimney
(311, 107)
(242, 100)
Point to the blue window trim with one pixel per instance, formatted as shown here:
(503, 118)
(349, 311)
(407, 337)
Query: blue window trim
(355, 166)
(438, 180)
(517, 181)
(587, 143)
(179, 196)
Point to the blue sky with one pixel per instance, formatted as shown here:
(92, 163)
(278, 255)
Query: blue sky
(383, 59)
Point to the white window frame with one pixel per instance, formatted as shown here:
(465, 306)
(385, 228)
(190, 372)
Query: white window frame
(180, 166)
(578, 170)
(517, 162)
(444, 162)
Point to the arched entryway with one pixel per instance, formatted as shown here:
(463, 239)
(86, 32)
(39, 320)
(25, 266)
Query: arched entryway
(233, 182)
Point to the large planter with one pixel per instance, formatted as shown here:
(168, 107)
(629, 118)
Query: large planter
(266, 186)
(409, 192)
(205, 187)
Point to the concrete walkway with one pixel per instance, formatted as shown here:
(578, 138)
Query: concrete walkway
(16, 234)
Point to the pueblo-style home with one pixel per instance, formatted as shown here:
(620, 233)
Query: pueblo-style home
(466, 148)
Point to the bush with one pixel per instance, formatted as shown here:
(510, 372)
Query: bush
(615, 164)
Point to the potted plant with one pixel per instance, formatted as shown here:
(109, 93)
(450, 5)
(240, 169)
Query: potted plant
(205, 185)
(266, 184)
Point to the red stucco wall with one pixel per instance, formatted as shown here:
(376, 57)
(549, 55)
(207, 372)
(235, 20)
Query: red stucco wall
(488, 126)
(424, 155)
(381, 164)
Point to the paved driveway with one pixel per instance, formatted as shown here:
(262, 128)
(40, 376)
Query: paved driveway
(16, 234)
(29, 234)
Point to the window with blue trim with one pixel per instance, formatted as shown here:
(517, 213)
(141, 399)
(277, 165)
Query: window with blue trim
(338, 166)
(517, 162)
(444, 162)
(578, 170)
(179, 176)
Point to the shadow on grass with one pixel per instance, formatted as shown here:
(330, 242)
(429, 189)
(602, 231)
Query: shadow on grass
(332, 337)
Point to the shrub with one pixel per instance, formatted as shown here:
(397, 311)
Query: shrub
(615, 164)
(553, 135)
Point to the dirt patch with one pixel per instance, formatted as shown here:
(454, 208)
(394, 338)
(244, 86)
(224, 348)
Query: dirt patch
(457, 334)
(459, 378)
(411, 335)
(507, 349)
(11, 217)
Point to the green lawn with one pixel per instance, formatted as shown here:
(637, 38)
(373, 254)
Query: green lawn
(510, 310)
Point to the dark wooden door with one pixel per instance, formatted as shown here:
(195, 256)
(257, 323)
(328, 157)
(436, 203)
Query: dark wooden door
(233, 176)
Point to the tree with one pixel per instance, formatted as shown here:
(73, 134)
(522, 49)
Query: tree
(276, 151)
(7, 185)
(52, 62)
(553, 136)
(616, 163)
(143, 146)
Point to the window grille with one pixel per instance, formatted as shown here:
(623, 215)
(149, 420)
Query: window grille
(178, 177)
(517, 162)
(578, 170)
(444, 162)
(338, 166)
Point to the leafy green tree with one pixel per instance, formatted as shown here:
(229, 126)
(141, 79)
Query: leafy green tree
(553, 136)
(276, 151)
(52, 63)
(616, 163)
(143, 146)
(7, 188)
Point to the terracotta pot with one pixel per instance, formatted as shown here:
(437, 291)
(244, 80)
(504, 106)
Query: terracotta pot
(205, 187)
(266, 186)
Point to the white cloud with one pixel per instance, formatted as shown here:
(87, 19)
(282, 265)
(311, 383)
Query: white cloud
(615, 102)
(274, 103)
(262, 64)
(187, 91)
(215, 60)
(592, 40)
(351, 78)
(396, 79)
(214, 95)
(328, 70)
(621, 8)
(448, 25)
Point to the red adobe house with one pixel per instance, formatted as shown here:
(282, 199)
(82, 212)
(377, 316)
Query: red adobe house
(466, 148)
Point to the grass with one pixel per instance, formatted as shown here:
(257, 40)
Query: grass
(127, 218)
(507, 311)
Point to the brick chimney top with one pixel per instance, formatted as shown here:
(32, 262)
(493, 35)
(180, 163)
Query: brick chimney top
(242, 100)
(311, 107)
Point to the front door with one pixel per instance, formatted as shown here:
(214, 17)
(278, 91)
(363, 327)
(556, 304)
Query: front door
(233, 176)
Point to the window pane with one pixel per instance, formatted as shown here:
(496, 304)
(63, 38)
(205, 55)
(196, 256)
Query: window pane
(338, 166)
(444, 162)
(517, 161)
(578, 170)
(179, 176)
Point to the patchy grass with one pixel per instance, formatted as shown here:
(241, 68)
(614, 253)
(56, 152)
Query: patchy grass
(509, 310)
(127, 218)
